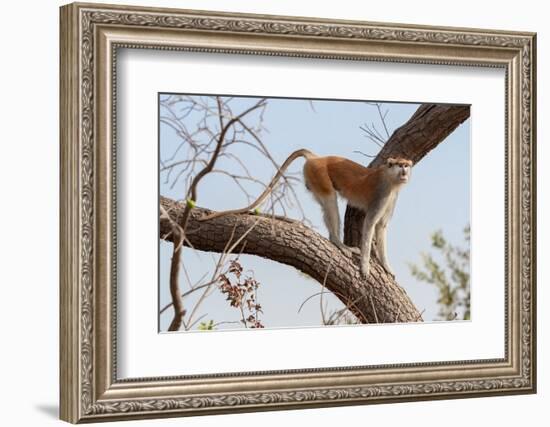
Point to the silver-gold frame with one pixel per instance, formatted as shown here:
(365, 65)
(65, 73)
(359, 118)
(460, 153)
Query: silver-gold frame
(90, 36)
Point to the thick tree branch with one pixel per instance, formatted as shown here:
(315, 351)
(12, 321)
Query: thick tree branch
(290, 242)
(427, 127)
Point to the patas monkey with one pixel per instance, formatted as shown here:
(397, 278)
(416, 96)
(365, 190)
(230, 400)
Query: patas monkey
(372, 190)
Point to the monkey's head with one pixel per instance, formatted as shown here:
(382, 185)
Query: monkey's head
(399, 169)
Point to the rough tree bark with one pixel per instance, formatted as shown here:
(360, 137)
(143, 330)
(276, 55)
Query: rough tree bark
(379, 299)
(376, 300)
(427, 127)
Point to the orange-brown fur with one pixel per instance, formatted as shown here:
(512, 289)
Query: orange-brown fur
(325, 175)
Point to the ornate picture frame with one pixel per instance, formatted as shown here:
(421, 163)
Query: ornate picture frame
(91, 34)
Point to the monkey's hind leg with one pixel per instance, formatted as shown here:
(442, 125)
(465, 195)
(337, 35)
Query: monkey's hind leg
(331, 216)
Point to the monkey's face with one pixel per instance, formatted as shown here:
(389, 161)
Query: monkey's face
(399, 170)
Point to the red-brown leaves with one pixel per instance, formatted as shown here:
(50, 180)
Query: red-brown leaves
(242, 294)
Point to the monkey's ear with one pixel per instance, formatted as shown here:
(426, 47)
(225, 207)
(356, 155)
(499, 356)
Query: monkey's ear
(390, 161)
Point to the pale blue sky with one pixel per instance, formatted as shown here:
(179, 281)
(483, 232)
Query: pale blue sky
(437, 197)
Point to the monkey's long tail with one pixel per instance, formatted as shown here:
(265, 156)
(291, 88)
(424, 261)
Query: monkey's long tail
(298, 153)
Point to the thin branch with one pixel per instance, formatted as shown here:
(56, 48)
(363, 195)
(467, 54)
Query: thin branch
(323, 317)
(227, 322)
(374, 310)
(372, 136)
(189, 292)
(179, 231)
(197, 321)
(193, 189)
(365, 154)
(383, 119)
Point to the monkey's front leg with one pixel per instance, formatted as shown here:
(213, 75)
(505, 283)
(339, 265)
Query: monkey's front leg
(366, 245)
(332, 221)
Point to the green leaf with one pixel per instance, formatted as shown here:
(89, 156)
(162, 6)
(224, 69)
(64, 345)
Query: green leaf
(447, 268)
(206, 326)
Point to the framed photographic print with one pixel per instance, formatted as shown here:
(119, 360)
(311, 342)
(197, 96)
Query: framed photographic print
(267, 212)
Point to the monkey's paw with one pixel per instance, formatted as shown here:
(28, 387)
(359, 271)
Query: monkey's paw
(347, 250)
(354, 250)
(389, 271)
(365, 270)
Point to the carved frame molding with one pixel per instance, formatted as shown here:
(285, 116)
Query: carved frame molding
(90, 36)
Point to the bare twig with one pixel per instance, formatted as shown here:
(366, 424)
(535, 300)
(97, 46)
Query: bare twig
(323, 287)
(372, 132)
(179, 231)
(192, 192)
(374, 310)
(364, 154)
(187, 293)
